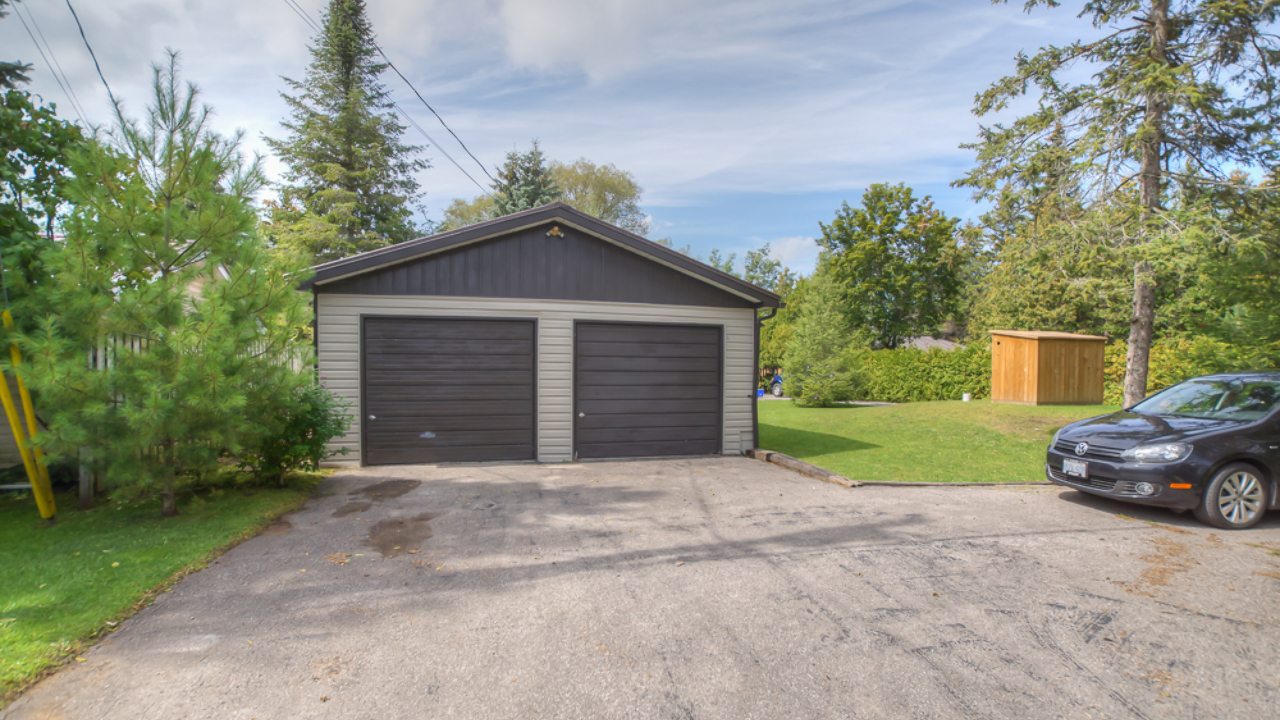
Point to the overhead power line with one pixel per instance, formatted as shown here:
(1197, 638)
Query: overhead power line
(411, 121)
(54, 67)
(306, 17)
(101, 77)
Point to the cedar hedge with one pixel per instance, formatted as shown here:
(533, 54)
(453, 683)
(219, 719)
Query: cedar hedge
(913, 375)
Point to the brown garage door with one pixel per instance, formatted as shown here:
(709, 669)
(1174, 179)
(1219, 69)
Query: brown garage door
(645, 390)
(447, 390)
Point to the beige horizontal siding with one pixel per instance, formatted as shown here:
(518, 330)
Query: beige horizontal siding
(339, 355)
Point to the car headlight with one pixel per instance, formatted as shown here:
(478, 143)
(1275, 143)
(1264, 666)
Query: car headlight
(1167, 452)
(1056, 435)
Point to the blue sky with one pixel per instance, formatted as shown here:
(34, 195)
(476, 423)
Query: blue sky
(746, 122)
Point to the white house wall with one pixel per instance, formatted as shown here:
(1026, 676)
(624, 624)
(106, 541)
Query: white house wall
(339, 355)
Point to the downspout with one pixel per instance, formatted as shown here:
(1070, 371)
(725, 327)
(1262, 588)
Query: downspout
(755, 395)
(315, 329)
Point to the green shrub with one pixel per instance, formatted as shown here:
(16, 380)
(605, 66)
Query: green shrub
(1176, 359)
(912, 375)
(295, 438)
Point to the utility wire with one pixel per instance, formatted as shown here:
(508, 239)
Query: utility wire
(306, 17)
(411, 121)
(101, 77)
(300, 12)
(52, 69)
(75, 99)
(424, 100)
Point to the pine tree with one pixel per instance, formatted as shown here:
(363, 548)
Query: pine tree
(12, 73)
(161, 270)
(350, 183)
(524, 182)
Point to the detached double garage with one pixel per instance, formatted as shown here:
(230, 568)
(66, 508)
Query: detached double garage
(546, 335)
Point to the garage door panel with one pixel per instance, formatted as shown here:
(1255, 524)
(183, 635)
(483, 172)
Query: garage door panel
(438, 364)
(650, 365)
(649, 350)
(416, 346)
(588, 378)
(648, 449)
(495, 453)
(593, 422)
(394, 424)
(644, 390)
(632, 333)
(432, 393)
(648, 392)
(650, 434)
(465, 329)
(403, 378)
(655, 407)
(447, 438)
(448, 390)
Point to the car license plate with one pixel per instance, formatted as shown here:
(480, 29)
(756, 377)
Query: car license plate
(1076, 468)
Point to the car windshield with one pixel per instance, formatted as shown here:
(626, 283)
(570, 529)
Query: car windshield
(1238, 399)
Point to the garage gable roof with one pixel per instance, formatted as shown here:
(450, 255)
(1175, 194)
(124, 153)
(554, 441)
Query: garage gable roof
(341, 275)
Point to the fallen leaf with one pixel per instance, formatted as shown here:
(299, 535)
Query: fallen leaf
(115, 564)
(79, 659)
(324, 698)
(679, 563)
(303, 570)
(338, 558)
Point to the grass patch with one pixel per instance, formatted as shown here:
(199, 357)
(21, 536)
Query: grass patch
(921, 442)
(61, 585)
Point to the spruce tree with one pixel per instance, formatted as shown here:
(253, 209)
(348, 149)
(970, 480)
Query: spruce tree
(163, 279)
(350, 183)
(524, 182)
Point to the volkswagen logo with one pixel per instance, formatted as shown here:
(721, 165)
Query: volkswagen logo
(1082, 448)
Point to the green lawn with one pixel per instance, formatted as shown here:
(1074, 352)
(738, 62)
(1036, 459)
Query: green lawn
(62, 585)
(920, 442)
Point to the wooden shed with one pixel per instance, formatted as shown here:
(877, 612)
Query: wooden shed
(1046, 368)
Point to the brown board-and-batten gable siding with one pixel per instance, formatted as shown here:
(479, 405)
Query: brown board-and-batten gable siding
(529, 263)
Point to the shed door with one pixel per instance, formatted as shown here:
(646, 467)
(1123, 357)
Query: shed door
(447, 390)
(644, 390)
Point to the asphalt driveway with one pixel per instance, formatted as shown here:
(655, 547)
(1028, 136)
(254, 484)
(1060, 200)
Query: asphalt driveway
(709, 588)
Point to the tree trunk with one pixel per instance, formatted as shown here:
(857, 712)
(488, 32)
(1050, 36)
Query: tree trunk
(169, 503)
(1151, 141)
(1144, 311)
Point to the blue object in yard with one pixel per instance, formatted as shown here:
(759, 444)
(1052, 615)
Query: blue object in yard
(760, 392)
(775, 385)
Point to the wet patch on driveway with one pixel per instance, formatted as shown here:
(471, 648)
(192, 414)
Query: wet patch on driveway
(401, 536)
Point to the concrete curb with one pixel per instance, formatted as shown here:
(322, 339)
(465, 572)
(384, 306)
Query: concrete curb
(802, 467)
(816, 472)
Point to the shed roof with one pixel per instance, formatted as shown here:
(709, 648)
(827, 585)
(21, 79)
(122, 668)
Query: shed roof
(1045, 335)
(383, 258)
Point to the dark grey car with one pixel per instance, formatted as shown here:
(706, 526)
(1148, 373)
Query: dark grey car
(1209, 444)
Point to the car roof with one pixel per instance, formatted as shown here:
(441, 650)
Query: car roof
(1272, 375)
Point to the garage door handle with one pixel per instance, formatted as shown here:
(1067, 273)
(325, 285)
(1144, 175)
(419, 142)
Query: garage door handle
(582, 414)
(373, 417)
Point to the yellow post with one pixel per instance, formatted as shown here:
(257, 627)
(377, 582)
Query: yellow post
(32, 458)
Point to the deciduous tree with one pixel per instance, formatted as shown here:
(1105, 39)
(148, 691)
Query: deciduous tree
(899, 261)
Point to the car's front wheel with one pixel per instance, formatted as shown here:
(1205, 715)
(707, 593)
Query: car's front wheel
(1235, 499)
